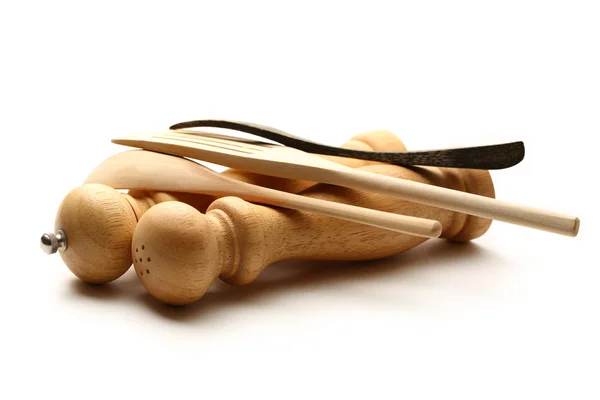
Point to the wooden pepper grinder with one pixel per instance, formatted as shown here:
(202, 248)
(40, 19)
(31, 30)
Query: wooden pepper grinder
(95, 223)
(179, 252)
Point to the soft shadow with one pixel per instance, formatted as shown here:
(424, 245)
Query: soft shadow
(288, 276)
(124, 288)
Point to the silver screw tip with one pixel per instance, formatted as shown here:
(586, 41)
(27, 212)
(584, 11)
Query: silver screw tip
(50, 243)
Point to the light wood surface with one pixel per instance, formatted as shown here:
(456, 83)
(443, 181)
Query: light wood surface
(99, 223)
(378, 140)
(179, 252)
(140, 169)
(291, 163)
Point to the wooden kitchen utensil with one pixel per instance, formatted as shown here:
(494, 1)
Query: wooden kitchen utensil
(147, 170)
(287, 162)
(179, 252)
(496, 156)
(367, 141)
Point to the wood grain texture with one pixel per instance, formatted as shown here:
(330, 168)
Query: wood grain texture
(287, 162)
(367, 141)
(181, 251)
(99, 224)
(156, 171)
(498, 156)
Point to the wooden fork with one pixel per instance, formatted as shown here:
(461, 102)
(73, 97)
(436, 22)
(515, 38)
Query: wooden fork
(286, 162)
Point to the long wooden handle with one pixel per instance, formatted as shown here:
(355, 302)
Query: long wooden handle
(394, 222)
(467, 203)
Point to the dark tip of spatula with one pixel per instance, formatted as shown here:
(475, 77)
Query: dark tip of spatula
(496, 156)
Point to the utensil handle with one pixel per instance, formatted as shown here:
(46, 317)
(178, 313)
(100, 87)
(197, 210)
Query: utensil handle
(455, 200)
(394, 222)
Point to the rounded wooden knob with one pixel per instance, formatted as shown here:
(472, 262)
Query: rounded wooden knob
(94, 228)
(378, 140)
(98, 223)
(175, 253)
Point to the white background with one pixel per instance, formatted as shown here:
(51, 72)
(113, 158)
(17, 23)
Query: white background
(514, 315)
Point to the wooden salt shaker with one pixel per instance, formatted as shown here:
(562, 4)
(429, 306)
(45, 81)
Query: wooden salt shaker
(179, 252)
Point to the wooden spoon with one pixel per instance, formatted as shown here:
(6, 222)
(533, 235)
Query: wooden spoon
(155, 171)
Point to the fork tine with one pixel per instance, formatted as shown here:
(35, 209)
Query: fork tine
(206, 143)
(225, 139)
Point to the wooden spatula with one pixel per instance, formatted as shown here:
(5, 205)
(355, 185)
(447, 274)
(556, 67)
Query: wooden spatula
(148, 170)
(286, 162)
